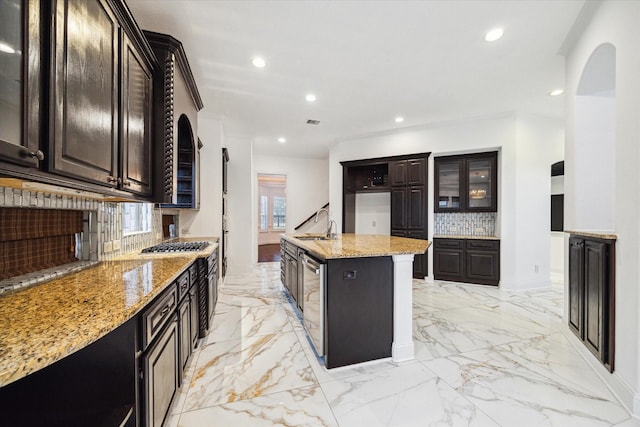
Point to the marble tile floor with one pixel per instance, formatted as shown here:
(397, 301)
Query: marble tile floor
(484, 357)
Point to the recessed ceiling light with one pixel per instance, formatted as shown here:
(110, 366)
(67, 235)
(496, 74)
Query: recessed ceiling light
(399, 119)
(282, 140)
(259, 62)
(556, 92)
(494, 34)
(310, 97)
(6, 48)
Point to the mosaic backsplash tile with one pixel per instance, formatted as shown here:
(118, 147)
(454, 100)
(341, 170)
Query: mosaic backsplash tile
(465, 224)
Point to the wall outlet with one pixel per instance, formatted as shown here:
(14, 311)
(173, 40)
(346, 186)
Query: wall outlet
(373, 223)
(536, 268)
(479, 229)
(116, 245)
(107, 247)
(184, 231)
(453, 229)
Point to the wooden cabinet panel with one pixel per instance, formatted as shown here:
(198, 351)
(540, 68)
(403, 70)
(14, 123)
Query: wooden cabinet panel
(398, 208)
(184, 329)
(416, 208)
(85, 92)
(482, 266)
(398, 172)
(467, 260)
(576, 280)
(161, 376)
(416, 171)
(592, 295)
(20, 83)
(136, 122)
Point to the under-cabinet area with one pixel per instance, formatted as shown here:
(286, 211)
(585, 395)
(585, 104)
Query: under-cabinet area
(467, 260)
(136, 322)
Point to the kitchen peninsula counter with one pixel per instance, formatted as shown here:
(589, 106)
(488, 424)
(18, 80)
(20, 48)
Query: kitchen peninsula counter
(42, 324)
(358, 304)
(358, 245)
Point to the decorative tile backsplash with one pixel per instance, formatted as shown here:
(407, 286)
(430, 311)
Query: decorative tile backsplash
(465, 224)
(102, 221)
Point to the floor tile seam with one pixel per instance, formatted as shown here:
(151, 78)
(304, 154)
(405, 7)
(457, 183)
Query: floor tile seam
(280, 332)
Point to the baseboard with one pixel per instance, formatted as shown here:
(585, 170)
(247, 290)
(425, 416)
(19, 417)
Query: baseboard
(619, 388)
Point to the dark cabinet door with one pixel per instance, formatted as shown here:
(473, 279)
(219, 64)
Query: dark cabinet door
(85, 92)
(20, 89)
(481, 179)
(576, 286)
(449, 194)
(193, 307)
(160, 376)
(595, 267)
(416, 171)
(482, 266)
(184, 329)
(293, 278)
(419, 261)
(398, 208)
(398, 172)
(137, 81)
(448, 259)
(416, 208)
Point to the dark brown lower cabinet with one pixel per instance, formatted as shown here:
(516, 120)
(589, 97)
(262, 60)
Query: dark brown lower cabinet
(184, 325)
(592, 295)
(467, 260)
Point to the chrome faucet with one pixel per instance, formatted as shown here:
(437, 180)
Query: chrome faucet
(329, 233)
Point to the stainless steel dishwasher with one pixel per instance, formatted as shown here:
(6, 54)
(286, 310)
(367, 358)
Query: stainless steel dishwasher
(314, 288)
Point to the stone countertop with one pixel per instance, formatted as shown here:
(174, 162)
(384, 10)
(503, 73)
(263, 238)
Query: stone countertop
(359, 245)
(462, 236)
(594, 234)
(45, 323)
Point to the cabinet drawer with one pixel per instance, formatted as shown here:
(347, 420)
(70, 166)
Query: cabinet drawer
(483, 244)
(154, 317)
(448, 243)
(183, 285)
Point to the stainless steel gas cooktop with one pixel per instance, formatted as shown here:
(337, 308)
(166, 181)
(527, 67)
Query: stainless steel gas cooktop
(177, 247)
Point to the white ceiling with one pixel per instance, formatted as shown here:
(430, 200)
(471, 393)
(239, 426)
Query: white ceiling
(367, 62)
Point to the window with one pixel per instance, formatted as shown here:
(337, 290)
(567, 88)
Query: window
(136, 218)
(279, 212)
(264, 208)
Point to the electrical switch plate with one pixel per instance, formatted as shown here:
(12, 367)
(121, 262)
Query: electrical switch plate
(453, 229)
(107, 247)
(373, 223)
(116, 245)
(479, 229)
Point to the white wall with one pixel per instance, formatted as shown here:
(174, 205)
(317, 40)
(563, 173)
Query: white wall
(373, 213)
(615, 22)
(525, 145)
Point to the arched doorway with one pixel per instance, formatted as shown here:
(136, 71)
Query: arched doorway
(594, 162)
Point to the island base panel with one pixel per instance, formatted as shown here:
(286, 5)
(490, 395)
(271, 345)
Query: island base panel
(359, 322)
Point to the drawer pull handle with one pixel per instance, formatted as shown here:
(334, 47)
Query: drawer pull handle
(165, 310)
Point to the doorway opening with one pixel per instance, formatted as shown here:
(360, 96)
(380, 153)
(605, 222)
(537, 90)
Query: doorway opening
(272, 215)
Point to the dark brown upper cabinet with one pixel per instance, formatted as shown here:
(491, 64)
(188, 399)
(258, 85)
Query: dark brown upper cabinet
(20, 87)
(85, 85)
(137, 87)
(408, 172)
(101, 82)
(76, 96)
(466, 183)
(176, 104)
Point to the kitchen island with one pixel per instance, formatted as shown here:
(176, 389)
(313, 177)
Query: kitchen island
(367, 293)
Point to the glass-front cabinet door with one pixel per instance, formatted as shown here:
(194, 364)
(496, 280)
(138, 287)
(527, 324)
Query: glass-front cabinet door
(20, 82)
(448, 184)
(480, 176)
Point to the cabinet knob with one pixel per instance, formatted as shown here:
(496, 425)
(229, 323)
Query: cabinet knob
(38, 154)
(127, 183)
(113, 180)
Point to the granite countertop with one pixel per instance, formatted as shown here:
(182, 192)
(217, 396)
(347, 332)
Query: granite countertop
(359, 245)
(595, 234)
(45, 323)
(462, 236)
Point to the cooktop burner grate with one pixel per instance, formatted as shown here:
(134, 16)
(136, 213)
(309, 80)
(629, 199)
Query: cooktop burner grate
(177, 247)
